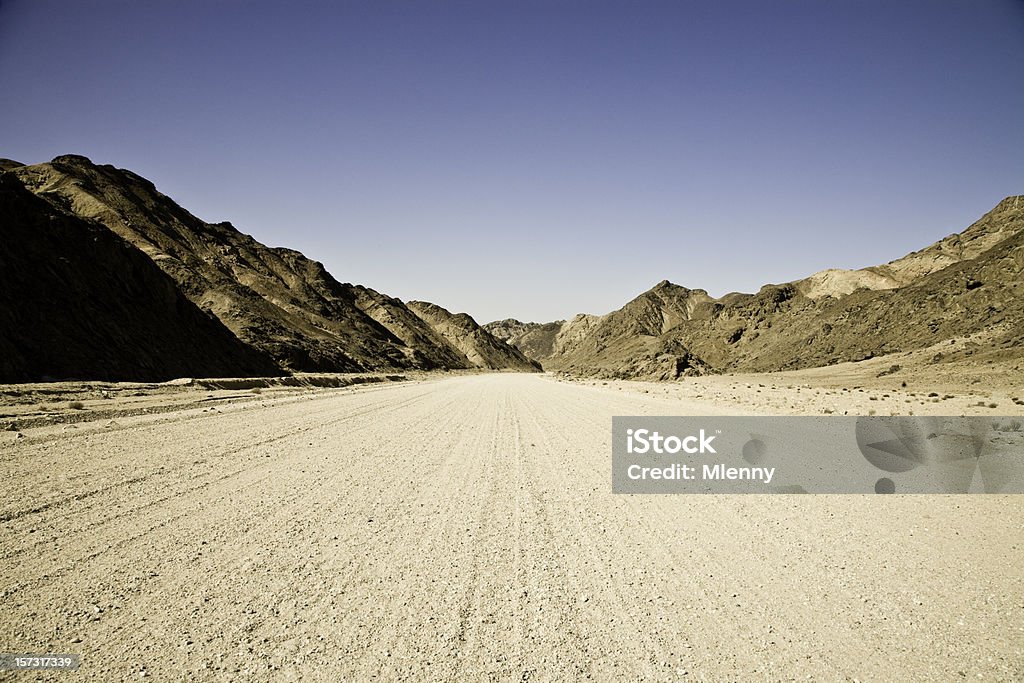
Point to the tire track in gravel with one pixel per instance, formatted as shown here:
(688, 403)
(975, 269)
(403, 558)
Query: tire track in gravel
(779, 578)
(186, 450)
(464, 529)
(244, 442)
(659, 574)
(280, 509)
(207, 478)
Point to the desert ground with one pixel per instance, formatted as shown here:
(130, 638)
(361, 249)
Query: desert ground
(461, 527)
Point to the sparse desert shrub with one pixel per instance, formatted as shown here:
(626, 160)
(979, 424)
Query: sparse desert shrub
(76, 405)
(257, 390)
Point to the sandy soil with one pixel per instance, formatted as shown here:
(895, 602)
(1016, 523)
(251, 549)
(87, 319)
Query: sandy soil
(896, 384)
(462, 529)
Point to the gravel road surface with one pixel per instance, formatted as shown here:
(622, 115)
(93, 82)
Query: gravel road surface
(463, 529)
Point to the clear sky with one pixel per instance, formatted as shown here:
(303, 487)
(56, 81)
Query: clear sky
(538, 159)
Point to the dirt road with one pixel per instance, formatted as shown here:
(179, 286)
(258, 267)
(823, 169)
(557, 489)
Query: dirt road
(463, 529)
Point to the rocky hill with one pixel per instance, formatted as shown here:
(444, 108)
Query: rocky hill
(541, 341)
(961, 285)
(428, 346)
(481, 348)
(79, 302)
(276, 301)
(535, 340)
(998, 224)
(197, 298)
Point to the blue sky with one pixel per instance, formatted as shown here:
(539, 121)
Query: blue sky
(539, 159)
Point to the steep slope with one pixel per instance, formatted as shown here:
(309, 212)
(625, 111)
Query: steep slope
(80, 302)
(543, 341)
(508, 329)
(535, 340)
(981, 294)
(275, 300)
(962, 285)
(481, 348)
(430, 347)
(573, 333)
(1003, 221)
(629, 342)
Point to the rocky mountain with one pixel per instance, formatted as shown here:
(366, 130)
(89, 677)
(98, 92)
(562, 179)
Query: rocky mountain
(106, 277)
(634, 339)
(1001, 222)
(510, 328)
(961, 285)
(535, 340)
(429, 347)
(276, 301)
(481, 348)
(80, 302)
(541, 341)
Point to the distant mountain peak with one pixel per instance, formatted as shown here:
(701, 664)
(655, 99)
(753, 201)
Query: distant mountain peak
(74, 159)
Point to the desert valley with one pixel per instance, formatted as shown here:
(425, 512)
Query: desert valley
(108, 279)
(224, 463)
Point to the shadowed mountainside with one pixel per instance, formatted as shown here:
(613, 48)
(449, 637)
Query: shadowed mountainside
(80, 302)
(275, 300)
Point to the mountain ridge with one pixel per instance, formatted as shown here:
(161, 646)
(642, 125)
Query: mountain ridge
(81, 302)
(287, 313)
(274, 299)
(961, 284)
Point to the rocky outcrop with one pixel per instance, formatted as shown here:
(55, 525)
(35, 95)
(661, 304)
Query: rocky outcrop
(79, 302)
(959, 286)
(629, 342)
(428, 347)
(275, 300)
(482, 348)
(535, 340)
